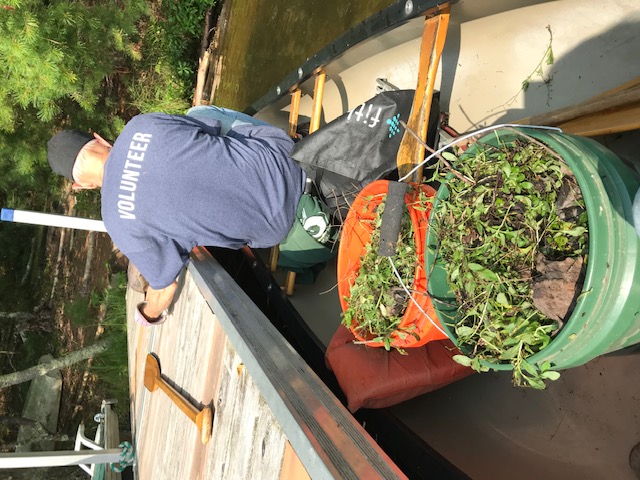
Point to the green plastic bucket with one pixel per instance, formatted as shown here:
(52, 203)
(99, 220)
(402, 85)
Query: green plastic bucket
(607, 313)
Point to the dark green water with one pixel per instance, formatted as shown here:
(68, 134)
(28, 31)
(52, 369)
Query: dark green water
(266, 39)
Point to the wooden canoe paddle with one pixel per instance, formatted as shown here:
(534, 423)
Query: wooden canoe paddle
(153, 380)
(411, 152)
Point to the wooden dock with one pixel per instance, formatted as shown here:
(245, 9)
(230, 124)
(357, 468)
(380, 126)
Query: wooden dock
(273, 417)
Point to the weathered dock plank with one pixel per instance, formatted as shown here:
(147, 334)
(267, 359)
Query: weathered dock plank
(199, 362)
(273, 417)
(244, 426)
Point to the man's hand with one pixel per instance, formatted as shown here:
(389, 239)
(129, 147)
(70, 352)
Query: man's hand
(158, 300)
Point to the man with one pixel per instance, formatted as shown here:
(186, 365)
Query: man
(171, 182)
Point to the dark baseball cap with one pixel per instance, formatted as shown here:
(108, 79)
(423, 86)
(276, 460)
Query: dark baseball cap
(63, 148)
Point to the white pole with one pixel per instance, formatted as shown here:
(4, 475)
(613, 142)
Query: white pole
(61, 458)
(52, 220)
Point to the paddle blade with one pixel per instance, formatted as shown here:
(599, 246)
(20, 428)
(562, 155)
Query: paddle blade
(151, 373)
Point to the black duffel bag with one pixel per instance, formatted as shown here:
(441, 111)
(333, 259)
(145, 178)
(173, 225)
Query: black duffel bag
(358, 147)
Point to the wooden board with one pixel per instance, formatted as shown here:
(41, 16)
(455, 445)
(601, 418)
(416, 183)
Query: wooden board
(614, 111)
(249, 444)
(198, 360)
(218, 349)
(618, 120)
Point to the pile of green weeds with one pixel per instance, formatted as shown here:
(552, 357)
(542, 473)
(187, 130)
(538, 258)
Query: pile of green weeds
(490, 230)
(377, 299)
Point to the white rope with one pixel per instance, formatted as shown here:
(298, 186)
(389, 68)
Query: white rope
(473, 134)
(414, 300)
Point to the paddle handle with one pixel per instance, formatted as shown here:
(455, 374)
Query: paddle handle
(153, 380)
(188, 409)
(411, 152)
(392, 219)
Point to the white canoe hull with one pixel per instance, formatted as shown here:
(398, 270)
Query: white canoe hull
(492, 47)
(584, 425)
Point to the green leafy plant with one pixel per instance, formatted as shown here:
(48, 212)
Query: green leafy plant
(490, 231)
(83, 65)
(547, 59)
(79, 311)
(377, 299)
(111, 366)
(72, 64)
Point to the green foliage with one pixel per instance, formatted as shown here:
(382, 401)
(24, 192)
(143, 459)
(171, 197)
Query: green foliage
(79, 312)
(50, 51)
(111, 367)
(88, 204)
(183, 27)
(490, 233)
(89, 65)
(377, 300)
(172, 39)
(160, 90)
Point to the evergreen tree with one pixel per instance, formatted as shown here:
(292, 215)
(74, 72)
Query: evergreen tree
(56, 57)
(83, 64)
(54, 50)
